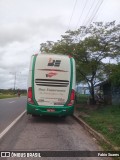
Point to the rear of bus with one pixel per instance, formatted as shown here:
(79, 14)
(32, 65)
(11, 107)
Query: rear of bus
(51, 85)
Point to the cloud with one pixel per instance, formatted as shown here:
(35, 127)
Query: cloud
(13, 32)
(26, 24)
(15, 59)
(19, 41)
(22, 32)
(23, 26)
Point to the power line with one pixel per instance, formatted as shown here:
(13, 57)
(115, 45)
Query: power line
(81, 14)
(72, 14)
(95, 11)
(89, 10)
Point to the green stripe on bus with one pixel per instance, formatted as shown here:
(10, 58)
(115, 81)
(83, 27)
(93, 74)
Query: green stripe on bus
(33, 73)
(71, 81)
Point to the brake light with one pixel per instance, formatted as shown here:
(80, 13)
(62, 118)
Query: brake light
(36, 54)
(72, 98)
(30, 100)
(69, 56)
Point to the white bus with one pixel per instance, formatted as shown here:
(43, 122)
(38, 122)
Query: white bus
(51, 85)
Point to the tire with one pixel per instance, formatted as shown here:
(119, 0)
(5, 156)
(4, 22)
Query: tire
(33, 115)
(64, 117)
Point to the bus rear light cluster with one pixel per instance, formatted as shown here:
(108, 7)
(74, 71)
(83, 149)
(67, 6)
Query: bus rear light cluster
(72, 98)
(30, 100)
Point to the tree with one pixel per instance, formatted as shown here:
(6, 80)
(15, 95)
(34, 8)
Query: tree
(90, 46)
(46, 47)
(115, 74)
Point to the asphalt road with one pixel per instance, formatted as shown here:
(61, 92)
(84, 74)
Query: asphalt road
(10, 109)
(49, 134)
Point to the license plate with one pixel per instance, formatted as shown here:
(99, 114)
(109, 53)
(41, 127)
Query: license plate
(50, 110)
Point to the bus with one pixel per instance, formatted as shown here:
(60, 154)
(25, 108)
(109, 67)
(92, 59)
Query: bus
(51, 85)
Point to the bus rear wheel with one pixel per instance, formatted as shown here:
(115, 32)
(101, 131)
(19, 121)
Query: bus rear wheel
(33, 115)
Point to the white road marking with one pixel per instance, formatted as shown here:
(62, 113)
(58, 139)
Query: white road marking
(12, 102)
(11, 125)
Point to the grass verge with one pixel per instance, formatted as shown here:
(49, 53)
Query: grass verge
(3, 96)
(82, 98)
(104, 119)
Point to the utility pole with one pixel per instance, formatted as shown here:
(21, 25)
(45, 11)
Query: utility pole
(15, 74)
(15, 81)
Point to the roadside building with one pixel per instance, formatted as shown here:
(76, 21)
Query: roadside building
(111, 93)
(82, 89)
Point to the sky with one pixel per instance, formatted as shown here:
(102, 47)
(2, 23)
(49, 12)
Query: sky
(24, 24)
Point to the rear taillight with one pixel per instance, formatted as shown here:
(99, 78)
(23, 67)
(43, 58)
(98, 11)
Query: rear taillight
(30, 100)
(69, 56)
(72, 98)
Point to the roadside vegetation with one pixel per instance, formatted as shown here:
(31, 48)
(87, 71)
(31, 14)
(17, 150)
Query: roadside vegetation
(2, 96)
(82, 99)
(91, 46)
(9, 93)
(103, 118)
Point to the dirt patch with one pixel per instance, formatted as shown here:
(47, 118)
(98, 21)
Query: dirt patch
(87, 106)
(82, 114)
(110, 128)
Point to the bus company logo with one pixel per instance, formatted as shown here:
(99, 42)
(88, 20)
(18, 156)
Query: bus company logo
(51, 74)
(55, 63)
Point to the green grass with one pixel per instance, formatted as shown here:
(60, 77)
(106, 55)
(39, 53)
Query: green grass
(3, 96)
(106, 120)
(82, 98)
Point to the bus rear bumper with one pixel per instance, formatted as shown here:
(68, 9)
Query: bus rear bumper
(50, 110)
